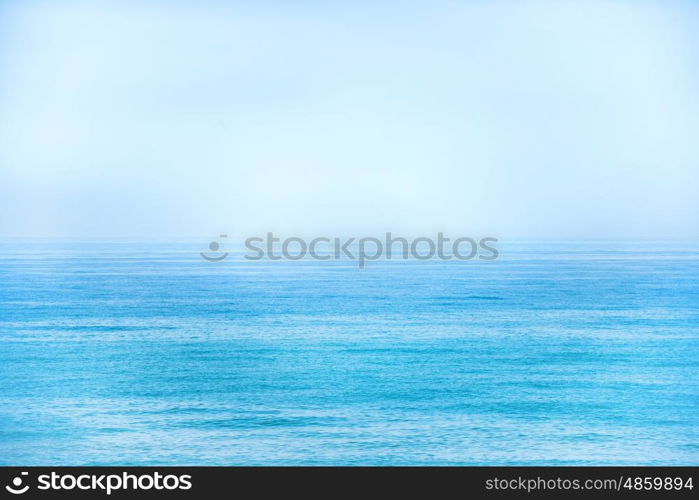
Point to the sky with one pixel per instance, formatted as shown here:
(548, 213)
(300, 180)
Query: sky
(518, 119)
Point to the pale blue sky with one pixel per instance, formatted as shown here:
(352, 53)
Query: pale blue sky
(520, 119)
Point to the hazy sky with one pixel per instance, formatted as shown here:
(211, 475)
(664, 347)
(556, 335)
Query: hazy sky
(520, 119)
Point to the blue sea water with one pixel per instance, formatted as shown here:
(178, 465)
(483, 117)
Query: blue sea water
(143, 353)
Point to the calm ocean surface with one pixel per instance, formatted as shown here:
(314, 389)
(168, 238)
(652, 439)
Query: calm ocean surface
(557, 353)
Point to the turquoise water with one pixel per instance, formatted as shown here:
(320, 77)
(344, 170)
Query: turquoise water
(557, 353)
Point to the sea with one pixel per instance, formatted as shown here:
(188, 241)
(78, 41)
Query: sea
(144, 353)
